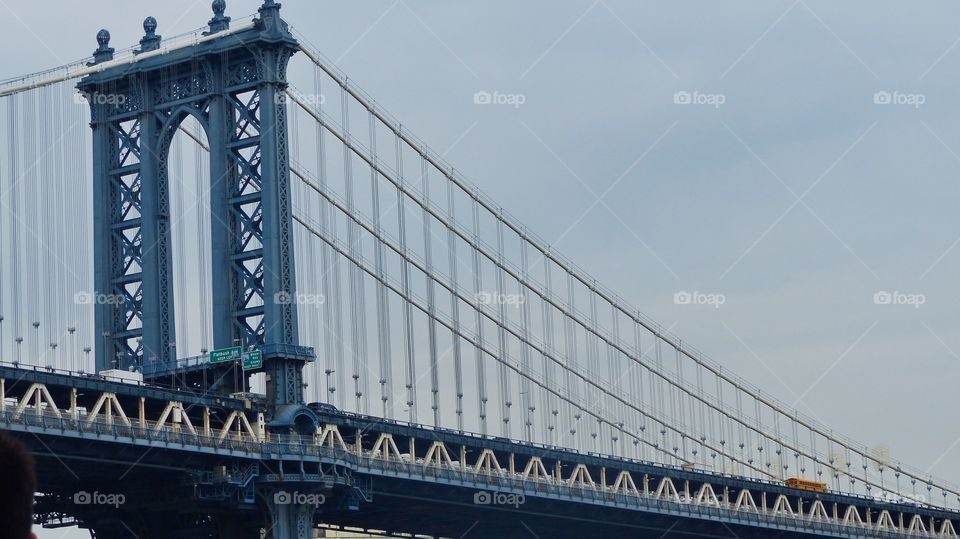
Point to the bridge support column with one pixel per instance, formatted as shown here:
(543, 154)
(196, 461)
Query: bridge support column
(289, 520)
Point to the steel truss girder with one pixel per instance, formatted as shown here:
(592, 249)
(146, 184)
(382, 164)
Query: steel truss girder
(126, 242)
(246, 218)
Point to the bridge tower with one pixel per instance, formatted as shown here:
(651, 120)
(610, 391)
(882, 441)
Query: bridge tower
(232, 81)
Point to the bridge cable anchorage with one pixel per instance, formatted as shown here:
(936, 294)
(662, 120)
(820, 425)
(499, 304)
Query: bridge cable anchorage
(751, 427)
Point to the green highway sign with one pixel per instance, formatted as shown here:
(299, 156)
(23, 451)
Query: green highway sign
(225, 354)
(253, 360)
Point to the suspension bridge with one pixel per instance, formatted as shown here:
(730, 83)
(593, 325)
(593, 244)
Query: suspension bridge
(293, 315)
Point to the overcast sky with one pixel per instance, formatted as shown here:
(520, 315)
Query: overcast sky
(814, 166)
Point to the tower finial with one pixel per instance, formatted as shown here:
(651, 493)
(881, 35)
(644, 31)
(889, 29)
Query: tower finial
(270, 20)
(270, 7)
(150, 41)
(104, 52)
(219, 22)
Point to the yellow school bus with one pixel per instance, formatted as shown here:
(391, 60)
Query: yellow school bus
(806, 484)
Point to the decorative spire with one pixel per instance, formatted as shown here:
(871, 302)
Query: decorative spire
(219, 22)
(270, 20)
(103, 53)
(150, 41)
(269, 9)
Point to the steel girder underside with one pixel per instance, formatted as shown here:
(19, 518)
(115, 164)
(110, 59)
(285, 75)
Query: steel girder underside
(164, 485)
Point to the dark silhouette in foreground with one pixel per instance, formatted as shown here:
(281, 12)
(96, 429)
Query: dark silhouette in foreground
(17, 484)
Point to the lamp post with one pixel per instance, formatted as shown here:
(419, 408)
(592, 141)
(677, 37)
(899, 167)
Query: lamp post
(330, 389)
(73, 350)
(106, 347)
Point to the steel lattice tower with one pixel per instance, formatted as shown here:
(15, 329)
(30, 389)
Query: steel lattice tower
(234, 86)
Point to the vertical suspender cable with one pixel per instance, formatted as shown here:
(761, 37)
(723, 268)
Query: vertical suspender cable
(680, 406)
(85, 241)
(4, 153)
(409, 350)
(455, 305)
(478, 294)
(336, 290)
(431, 299)
(328, 259)
(30, 226)
(356, 310)
(383, 305)
(314, 270)
(49, 269)
(573, 416)
(616, 371)
(636, 385)
(59, 170)
(550, 409)
(593, 360)
(498, 298)
(662, 403)
(177, 183)
(202, 179)
(526, 397)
